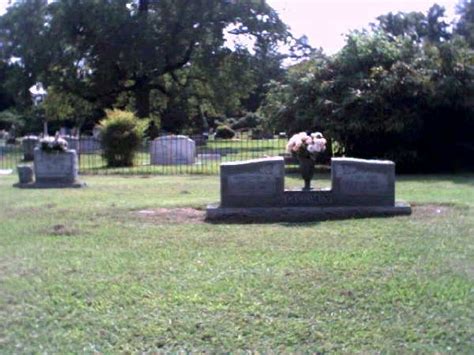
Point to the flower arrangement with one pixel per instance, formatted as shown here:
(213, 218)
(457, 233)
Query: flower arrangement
(303, 145)
(53, 144)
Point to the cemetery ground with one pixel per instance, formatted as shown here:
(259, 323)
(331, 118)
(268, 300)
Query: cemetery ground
(128, 265)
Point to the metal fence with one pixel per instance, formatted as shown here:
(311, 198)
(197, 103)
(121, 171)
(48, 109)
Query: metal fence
(162, 158)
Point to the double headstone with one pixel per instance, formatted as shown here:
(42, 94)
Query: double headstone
(254, 191)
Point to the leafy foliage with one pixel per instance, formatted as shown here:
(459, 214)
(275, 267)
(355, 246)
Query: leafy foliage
(165, 50)
(121, 137)
(62, 106)
(403, 92)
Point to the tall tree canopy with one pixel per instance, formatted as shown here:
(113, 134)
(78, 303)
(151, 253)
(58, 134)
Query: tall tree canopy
(100, 49)
(403, 91)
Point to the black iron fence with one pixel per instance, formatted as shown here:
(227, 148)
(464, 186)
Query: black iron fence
(170, 155)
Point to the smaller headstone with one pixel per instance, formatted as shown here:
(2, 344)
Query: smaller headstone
(253, 183)
(29, 143)
(359, 182)
(172, 150)
(72, 143)
(25, 174)
(89, 145)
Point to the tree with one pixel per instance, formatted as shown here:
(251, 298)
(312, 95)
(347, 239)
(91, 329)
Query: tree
(66, 107)
(99, 49)
(465, 24)
(387, 94)
(415, 25)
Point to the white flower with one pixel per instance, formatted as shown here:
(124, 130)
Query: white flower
(302, 142)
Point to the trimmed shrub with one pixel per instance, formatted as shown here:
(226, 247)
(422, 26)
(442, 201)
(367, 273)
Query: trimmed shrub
(121, 136)
(225, 132)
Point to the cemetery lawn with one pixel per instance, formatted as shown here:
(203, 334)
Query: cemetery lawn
(82, 271)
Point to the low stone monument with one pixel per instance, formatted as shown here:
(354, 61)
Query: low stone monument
(53, 170)
(253, 191)
(28, 144)
(172, 150)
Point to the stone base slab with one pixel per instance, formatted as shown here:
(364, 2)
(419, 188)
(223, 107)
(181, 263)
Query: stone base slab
(50, 185)
(301, 214)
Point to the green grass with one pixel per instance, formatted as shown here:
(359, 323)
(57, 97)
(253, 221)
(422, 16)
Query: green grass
(80, 272)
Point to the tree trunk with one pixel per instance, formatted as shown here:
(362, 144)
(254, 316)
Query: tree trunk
(142, 101)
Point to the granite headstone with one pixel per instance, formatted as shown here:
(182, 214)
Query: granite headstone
(258, 182)
(89, 145)
(172, 150)
(56, 167)
(359, 182)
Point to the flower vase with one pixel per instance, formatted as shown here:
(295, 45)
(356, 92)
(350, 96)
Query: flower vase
(307, 171)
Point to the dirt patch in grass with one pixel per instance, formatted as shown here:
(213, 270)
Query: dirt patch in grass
(172, 215)
(62, 230)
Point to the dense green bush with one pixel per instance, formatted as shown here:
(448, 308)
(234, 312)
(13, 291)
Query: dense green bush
(225, 132)
(250, 120)
(121, 135)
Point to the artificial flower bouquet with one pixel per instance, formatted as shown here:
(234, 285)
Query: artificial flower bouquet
(53, 144)
(304, 145)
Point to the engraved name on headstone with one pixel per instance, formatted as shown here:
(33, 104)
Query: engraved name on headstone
(363, 182)
(308, 198)
(253, 183)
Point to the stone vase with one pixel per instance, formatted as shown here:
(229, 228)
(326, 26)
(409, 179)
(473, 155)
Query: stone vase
(307, 171)
(29, 143)
(25, 174)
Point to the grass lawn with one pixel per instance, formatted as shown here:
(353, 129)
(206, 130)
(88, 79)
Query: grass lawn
(82, 271)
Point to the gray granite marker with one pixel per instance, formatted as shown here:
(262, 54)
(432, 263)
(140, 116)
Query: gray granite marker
(56, 167)
(253, 183)
(359, 182)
